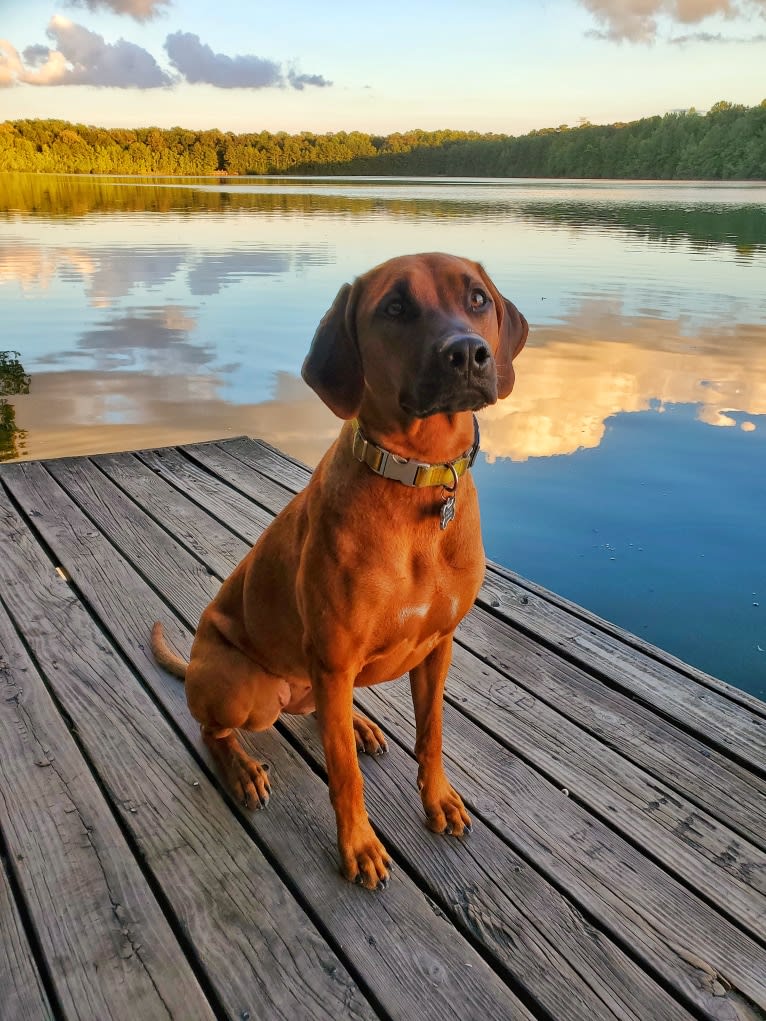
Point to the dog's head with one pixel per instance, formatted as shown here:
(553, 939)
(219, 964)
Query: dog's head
(417, 335)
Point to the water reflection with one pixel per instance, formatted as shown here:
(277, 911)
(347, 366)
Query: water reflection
(13, 381)
(79, 412)
(600, 363)
(151, 338)
(727, 214)
(573, 377)
(110, 273)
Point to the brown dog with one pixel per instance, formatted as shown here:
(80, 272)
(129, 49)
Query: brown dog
(366, 574)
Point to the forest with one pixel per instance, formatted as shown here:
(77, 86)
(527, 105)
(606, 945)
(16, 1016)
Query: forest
(728, 142)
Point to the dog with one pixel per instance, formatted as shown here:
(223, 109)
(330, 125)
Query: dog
(365, 575)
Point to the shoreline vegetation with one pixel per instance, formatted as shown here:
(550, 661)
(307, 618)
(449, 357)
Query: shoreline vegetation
(726, 143)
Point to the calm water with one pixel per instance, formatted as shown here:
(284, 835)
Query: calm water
(628, 469)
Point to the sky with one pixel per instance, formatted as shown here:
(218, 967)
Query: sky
(298, 65)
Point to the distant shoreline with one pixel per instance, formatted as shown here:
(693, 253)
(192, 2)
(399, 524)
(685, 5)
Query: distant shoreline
(728, 143)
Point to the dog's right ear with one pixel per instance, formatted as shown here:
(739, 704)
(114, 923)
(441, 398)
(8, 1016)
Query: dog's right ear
(333, 366)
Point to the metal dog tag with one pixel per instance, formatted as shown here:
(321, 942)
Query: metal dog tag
(447, 513)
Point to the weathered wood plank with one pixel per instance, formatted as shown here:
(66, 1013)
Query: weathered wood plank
(170, 595)
(204, 536)
(498, 575)
(718, 785)
(723, 866)
(710, 715)
(264, 458)
(22, 993)
(108, 508)
(239, 513)
(410, 944)
(665, 925)
(269, 961)
(524, 924)
(109, 949)
(269, 493)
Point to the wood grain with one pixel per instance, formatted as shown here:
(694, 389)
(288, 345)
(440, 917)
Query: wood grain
(108, 947)
(268, 961)
(411, 945)
(22, 993)
(664, 924)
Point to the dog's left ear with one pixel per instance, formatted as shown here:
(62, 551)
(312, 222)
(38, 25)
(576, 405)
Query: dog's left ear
(333, 366)
(514, 330)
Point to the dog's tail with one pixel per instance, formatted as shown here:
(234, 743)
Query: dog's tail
(164, 655)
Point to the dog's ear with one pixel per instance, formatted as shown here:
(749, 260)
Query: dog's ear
(333, 366)
(514, 330)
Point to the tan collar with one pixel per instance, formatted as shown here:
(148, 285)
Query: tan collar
(408, 471)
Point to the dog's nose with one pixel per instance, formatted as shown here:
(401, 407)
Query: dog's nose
(468, 355)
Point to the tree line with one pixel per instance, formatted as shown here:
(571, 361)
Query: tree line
(726, 143)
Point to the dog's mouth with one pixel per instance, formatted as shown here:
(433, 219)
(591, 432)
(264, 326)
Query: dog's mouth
(424, 404)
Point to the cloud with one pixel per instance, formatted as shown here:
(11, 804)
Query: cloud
(81, 57)
(300, 81)
(198, 63)
(638, 20)
(141, 10)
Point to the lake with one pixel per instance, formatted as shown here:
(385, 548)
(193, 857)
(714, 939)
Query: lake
(627, 471)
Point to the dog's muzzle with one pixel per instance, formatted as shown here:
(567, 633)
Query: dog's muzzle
(459, 375)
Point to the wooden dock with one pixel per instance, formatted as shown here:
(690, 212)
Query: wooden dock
(617, 866)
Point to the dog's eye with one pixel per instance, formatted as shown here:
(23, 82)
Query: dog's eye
(478, 299)
(394, 309)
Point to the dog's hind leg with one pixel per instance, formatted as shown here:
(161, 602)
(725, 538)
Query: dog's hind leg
(227, 692)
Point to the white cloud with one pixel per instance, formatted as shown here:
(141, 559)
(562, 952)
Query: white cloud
(141, 10)
(81, 57)
(638, 20)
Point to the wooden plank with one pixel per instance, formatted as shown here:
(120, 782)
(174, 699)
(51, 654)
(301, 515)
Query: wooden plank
(264, 458)
(499, 575)
(270, 962)
(710, 715)
(523, 923)
(723, 867)
(716, 784)
(113, 513)
(396, 942)
(267, 492)
(204, 536)
(662, 923)
(22, 992)
(239, 513)
(170, 594)
(108, 947)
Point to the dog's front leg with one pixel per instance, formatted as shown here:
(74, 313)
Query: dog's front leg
(444, 807)
(363, 858)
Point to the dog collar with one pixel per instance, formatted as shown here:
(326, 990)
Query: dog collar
(410, 472)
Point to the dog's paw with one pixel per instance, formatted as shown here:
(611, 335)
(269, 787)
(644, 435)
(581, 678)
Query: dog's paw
(364, 860)
(368, 736)
(445, 811)
(249, 780)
